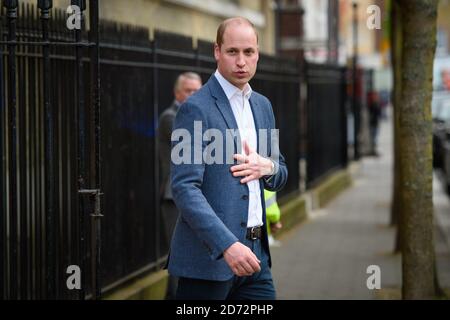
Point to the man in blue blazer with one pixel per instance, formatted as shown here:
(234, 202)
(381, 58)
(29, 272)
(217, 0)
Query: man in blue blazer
(219, 249)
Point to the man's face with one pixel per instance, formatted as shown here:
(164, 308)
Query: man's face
(238, 55)
(186, 88)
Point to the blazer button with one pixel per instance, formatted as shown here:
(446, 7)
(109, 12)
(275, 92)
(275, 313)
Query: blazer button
(243, 224)
(244, 197)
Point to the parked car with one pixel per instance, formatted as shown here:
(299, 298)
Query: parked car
(441, 116)
(446, 158)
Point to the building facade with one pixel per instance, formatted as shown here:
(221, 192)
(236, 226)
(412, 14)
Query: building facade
(198, 19)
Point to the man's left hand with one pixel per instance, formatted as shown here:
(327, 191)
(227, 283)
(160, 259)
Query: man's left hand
(252, 165)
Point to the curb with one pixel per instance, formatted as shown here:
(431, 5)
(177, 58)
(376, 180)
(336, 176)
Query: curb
(151, 287)
(293, 213)
(300, 208)
(330, 188)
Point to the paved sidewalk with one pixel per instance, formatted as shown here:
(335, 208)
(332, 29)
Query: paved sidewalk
(327, 257)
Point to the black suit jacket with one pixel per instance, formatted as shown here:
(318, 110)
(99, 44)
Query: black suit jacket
(165, 125)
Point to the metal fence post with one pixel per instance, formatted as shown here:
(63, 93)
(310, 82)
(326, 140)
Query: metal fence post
(45, 6)
(12, 257)
(79, 124)
(96, 215)
(2, 182)
(355, 102)
(155, 124)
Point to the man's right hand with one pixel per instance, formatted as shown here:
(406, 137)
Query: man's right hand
(241, 260)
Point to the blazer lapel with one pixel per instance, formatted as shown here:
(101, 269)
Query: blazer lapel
(224, 107)
(222, 103)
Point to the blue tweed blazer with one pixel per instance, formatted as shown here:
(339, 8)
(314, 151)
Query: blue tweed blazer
(213, 204)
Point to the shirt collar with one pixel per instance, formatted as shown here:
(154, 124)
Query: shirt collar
(230, 90)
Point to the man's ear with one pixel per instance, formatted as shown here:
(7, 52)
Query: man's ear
(216, 51)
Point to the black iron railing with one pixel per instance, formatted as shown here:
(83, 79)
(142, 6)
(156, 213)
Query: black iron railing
(326, 121)
(56, 186)
(44, 152)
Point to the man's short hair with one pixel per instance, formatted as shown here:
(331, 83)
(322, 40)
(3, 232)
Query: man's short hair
(186, 75)
(238, 20)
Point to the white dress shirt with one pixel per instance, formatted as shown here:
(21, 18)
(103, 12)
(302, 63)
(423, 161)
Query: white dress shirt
(239, 101)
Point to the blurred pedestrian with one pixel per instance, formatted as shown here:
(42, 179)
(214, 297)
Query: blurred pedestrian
(273, 215)
(374, 120)
(186, 84)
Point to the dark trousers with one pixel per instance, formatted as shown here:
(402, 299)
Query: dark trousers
(258, 286)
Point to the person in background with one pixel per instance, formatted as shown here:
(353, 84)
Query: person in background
(273, 215)
(374, 120)
(186, 84)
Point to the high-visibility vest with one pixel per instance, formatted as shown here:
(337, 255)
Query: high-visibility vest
(272, 209)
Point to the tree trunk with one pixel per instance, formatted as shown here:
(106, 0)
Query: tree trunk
(396, 51)
(415, 133)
